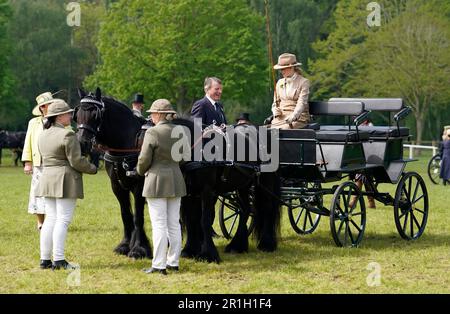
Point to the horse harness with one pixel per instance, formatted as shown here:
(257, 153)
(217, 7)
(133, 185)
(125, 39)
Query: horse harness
(126, 162)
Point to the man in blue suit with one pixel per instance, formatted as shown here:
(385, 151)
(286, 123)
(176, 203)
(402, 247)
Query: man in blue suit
(209, 108)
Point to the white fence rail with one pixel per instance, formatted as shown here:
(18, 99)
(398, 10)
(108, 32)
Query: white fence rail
(412, 147)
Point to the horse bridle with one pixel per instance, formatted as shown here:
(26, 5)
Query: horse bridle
(100, 109)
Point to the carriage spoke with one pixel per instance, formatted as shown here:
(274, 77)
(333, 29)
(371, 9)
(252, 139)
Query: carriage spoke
(409, 188)
(401, 216)
(346, 233)
(404, 223)
(350, 234)
(420, 211)
(356, 226)
(415, 191)
(406, 192)
(341, 212)
(232, 225)
(411, 225)
(415, 220)
(299, 215)
(232, 215)
(340, 226)
(310, 218)
(304, 222)
(415, 201)
(345, 203)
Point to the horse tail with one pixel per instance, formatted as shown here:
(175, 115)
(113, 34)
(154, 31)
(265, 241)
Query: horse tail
(267, 212)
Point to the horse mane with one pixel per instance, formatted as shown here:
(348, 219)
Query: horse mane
(115, 102)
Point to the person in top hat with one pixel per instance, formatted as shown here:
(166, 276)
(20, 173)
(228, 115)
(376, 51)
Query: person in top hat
(290, 105)
(31, 156)
(138, 105)
(244, 118)
(163, 187)
(209, 108)
(61, 182)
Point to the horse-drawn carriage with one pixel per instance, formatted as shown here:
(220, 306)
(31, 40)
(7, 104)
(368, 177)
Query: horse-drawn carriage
(309, 158)
(308, 161)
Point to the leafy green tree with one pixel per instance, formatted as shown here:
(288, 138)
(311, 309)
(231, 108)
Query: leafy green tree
(296, 24)
(11, 107)
(410, 58)
(165, 49)
(43, 54)
(335, 66)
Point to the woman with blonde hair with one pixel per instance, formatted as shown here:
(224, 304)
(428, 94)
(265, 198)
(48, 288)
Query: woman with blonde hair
(290, 105)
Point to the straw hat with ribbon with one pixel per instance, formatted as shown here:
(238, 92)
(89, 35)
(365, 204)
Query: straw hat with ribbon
(286, 60)
(58, 107)
(43, 99)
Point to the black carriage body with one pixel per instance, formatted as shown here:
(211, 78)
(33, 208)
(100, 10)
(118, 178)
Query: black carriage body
(310, 157)
(384, 149)
(297, 155)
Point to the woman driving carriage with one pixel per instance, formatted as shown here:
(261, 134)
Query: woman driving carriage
(290, 105)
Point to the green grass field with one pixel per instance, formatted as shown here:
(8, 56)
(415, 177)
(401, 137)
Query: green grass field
(302, 264)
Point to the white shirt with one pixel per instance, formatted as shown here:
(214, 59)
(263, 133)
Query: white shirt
(288, 83)
(212, 102)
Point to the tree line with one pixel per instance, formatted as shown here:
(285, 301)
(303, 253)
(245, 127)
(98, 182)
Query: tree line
(165, 49)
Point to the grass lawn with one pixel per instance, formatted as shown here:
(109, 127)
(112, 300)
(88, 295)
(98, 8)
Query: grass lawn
(302, 264)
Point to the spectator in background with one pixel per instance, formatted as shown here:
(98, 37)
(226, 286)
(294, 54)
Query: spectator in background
(31, 156)
(244, 118)
(445, 158)
(138, 105)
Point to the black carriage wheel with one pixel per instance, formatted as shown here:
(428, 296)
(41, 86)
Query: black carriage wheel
(347, 215)
(434, 168)
(411, 206)
(302, 220)
(229, 213)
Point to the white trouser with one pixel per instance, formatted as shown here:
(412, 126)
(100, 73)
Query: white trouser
(166, 229)
(58, 215)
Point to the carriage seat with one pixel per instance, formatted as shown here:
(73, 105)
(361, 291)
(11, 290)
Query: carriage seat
(310, 126)
(373, 131)
(341, 135)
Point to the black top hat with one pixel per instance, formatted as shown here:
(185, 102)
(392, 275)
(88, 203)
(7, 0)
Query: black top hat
(139, 98)
(243, 116)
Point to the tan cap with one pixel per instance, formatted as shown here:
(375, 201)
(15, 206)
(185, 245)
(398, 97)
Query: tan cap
(161, 106)
(58, 107)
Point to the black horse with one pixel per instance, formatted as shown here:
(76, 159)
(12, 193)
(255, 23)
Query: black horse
(14, 141)
(111, 124)
(208, 179)
(107, 122)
